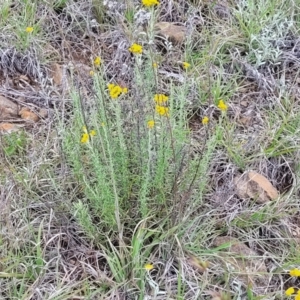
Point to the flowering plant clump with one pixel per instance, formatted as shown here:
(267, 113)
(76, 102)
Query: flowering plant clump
(29, 29)
(222, 105)
(115, 90)
(136, 49)
(160, 99)
(150, 2)
(86, 135)
(162, 110)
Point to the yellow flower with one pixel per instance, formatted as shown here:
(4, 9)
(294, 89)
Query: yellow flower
(29, 29)
(148, 267)
(223, 106)
(93, 132)
(154, 65)
(162, 110)
(297, 297)
(186, 65)
(136, 49)
(84, 138)
(97, 61)
(290, 291)
(205, 120)
(295, 272)
(115, 90)
(150, 124)
(150, 2)
(160, 98)
(92, 73)
(110, 86)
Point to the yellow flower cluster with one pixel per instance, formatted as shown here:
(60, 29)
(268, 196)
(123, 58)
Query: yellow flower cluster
(162, 110)
(150, 2)
(29, 29)
(291, 291)
(160, 107)
(136, 49)
(86, 136)
(222, 105)
(160, 99)
(115, 90)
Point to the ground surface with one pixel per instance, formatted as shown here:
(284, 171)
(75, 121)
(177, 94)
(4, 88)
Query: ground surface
(180, 180)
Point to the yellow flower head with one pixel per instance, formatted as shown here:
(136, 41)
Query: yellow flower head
(160, 99)
(29, 29)
(150, 124)
(136, 49)
(115, 90)
(186, 65)
(92, 73)
(154, 65)
(148, 267)
(150, 2)
(84, 138)
(97, 61)
(222, 105)
(205, 120)
(93, 132)
(297, 297)
(110, 86)
(162, 110)
(295, 272)
(290, 291)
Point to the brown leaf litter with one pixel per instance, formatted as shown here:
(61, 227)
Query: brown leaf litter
(9, 127)
(28, 115)
(256, 186)
(8, 109)
(175, 33)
